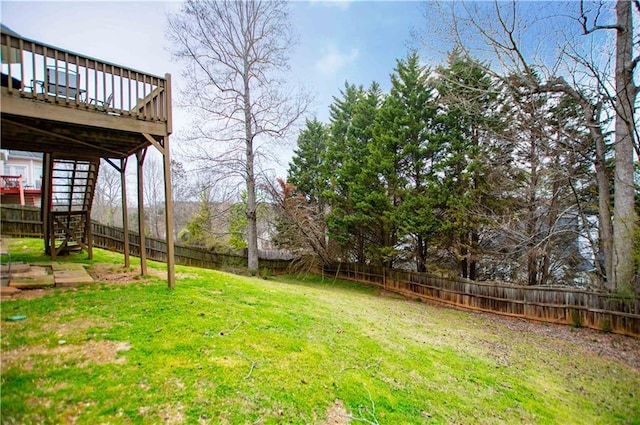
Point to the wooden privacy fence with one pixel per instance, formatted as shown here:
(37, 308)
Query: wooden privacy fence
(562, 305)
(25, 222)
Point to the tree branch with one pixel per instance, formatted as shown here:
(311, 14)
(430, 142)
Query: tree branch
(253, 363)
(594, 25)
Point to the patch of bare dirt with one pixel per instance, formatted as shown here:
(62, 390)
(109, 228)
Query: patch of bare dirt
(172, 414)
(337, 414)
(162, 274)
(619, 347)
(389, 294)
(66, 329)
(108, 273)
(27, 294)
(92, 352)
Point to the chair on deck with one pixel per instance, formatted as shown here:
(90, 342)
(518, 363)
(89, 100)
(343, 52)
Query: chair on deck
(104, 103)
(63, 83)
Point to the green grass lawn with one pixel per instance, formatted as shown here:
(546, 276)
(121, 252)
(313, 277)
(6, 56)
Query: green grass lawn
(228, 349)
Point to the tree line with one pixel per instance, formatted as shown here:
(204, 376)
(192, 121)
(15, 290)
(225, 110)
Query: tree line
(514, 160)
(453, 171)
(521, 167)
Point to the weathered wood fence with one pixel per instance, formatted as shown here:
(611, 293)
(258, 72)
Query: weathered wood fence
(562, 305)
(25, 222)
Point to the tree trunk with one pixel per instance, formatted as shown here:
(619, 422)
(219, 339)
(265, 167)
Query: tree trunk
(360, 254)
(252, 225)
(464, 262)
(473, 264)
(252, 218)
(624, 221)
(531, 227)
(605, 227)
(421, 255)
(552, 216)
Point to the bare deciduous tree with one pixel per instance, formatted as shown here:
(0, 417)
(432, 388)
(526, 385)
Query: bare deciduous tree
(626, 92)
(154, 197)
(235, 54)
(108, 195)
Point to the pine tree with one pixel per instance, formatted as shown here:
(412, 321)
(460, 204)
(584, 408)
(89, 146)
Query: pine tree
(404, 152)
(473, 162)
(356, 196)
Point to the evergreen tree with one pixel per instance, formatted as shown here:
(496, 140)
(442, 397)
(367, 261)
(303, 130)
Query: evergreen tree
(302, 224)
(473, 163)
(355, 194)
(404, 152)
(306, 171)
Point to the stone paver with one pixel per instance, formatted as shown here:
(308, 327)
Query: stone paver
(75, 276)
(32, 277)
(45, 275)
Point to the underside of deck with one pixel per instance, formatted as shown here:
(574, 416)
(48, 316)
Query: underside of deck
(38, 126)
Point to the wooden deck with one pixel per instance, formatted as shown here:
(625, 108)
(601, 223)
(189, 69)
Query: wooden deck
(55, 100)
(75, 107)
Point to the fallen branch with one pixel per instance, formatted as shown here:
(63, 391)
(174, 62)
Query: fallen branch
(231, 331)
(372, 413)
(253, 364)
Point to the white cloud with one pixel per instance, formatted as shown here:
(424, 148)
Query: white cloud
(333, 60)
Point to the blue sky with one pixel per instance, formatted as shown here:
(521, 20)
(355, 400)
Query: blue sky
(338, 41)
(357, 42)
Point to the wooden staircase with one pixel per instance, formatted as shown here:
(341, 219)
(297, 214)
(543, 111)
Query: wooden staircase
(70, 186)
(31, 200)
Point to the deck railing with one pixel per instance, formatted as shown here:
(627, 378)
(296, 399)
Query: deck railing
(11, 182)
(34, 70)
(12, 185)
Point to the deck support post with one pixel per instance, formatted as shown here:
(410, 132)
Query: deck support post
(168, 197)
(45, 201)
(125, 212)
(140, 155)
(168, 211)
